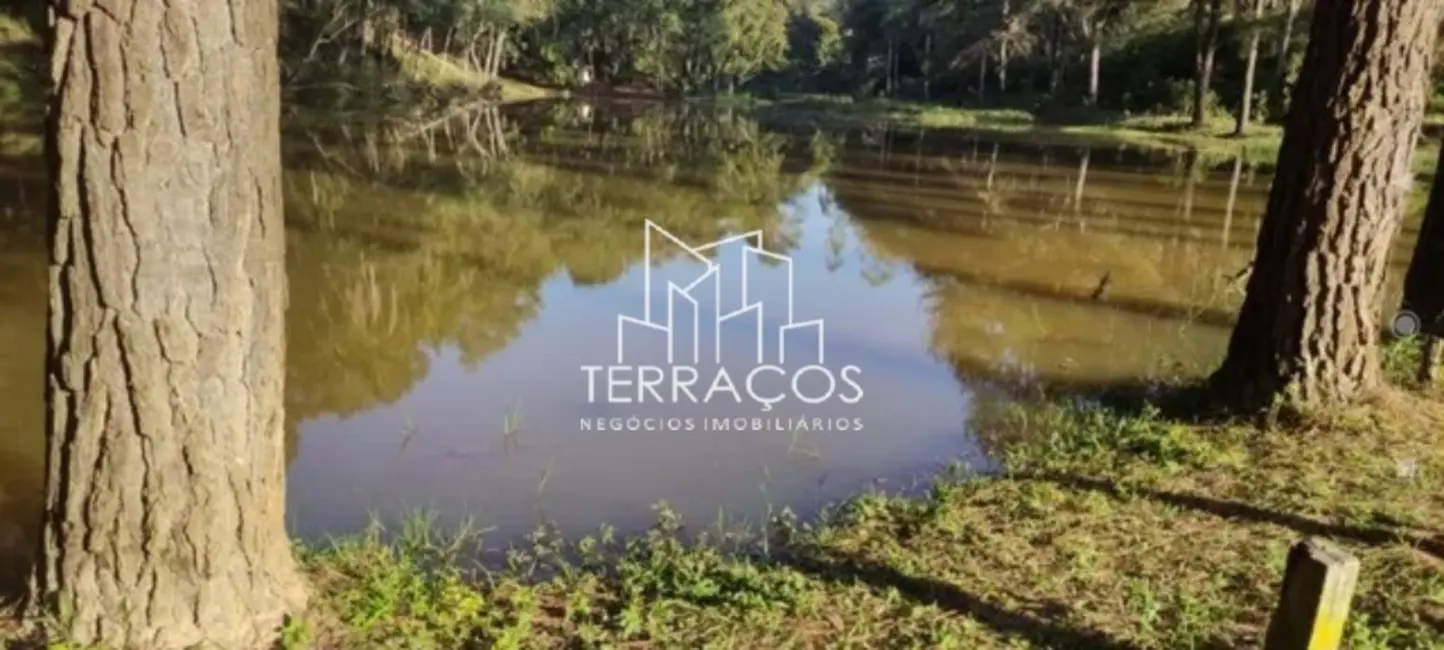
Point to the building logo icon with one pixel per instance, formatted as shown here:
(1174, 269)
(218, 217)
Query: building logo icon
(778, 373)
(684, 341)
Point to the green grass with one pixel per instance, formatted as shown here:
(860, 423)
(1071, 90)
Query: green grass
(1112, 527)
(1214, 139)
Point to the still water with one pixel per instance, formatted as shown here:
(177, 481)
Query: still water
(451, 281)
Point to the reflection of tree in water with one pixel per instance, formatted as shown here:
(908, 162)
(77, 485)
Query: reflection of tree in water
(386, 264)
(403, 242)
(22, 358)
(22, 438)
(1015, 297)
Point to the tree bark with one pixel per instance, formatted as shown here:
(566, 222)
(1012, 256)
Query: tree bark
(1308, 332)
(1206, 24)
(164, 523)
(1281, 70)
(1250, 66)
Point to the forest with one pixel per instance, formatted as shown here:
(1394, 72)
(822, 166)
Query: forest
(1193, 57)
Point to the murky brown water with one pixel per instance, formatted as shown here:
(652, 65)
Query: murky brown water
(447, 291)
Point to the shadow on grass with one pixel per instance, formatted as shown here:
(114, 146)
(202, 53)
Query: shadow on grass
(1239, 511)
(1036, 627)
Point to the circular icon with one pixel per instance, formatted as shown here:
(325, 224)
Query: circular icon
(1406, 323)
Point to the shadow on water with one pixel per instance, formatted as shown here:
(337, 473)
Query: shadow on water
(448, 277)
(22, 326)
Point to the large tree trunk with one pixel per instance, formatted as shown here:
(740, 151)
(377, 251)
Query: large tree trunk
(1307, 335)
(164, 524)
(1206, 20)
(1281, 69)
(1250, 65)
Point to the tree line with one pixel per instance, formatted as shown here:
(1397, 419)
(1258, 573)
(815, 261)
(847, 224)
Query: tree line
(1187, 56)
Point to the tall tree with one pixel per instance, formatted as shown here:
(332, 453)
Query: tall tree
(1307, 335)
(1250, 66)
(164, 523)
(1281, 64)
(1207, 15)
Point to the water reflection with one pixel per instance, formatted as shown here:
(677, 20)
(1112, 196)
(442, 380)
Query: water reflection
(448, 279)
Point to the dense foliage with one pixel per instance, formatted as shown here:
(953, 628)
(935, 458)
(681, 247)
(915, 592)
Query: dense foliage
(1138, 55)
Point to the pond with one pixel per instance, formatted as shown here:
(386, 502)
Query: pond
(568, 313)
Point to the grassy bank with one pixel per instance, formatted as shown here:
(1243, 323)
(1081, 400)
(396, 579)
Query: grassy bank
(1214, 139)
(1113, 527)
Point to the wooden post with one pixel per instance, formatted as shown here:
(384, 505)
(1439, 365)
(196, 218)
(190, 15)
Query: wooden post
(1314, 602)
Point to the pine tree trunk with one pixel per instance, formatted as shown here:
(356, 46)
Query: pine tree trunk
(1250, 65)
(1206, 25)
(165, 459)
(1307, 335)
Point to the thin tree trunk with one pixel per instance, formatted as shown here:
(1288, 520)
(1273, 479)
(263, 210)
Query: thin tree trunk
(1206, 25)
(1232, 200)
(1246, 104)
(927, 66)
(1082, 182)
(1003, 51)
(1190, 185)
(498, 50)
(1095, 56)
(1307, 334)
(164, 524)
(368, 31)
(982, 76)
(888, 72)
(1055, 68)
(1281, 70)
(992, 166)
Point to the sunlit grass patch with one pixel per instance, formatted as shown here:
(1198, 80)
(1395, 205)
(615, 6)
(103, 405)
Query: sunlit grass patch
(1112, 526)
